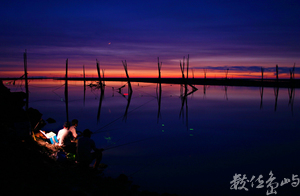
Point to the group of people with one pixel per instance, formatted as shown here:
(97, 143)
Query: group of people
(68, 134)
(68, 137)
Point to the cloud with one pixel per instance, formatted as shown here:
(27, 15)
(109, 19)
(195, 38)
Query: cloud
(251, 69)
(214, 32)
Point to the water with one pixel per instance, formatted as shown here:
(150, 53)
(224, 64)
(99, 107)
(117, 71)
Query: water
(191, 146)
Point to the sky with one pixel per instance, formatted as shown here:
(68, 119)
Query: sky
(241, 36)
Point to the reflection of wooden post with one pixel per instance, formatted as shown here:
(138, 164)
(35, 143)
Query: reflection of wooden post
(291, 92)
(261, 90)
(159, 100)
(276, 91)
(128, 104)
(226, 96)
(26, 79)
(66, 90)
(100, 104)
(186, 114)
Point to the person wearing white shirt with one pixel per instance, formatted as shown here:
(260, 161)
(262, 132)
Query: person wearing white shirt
(62, 135)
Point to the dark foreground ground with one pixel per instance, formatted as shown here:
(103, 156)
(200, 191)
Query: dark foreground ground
(29, 168)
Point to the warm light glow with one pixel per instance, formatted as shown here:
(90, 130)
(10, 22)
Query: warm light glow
(144, 74)
(142, 70)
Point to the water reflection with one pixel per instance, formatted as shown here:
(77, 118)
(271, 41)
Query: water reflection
(291, 92)
(158, 95)
(276, 91)
(128, 102)
(102, 89)
(226, 96)
(242, 134)
(183, 96)
(261, 91)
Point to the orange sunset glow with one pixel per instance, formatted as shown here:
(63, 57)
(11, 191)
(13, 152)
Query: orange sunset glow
(170, 69)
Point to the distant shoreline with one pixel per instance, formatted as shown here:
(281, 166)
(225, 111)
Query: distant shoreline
(282, 83)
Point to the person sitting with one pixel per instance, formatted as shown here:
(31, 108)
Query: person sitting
(73, 129)
(85, 145)
(62, 135)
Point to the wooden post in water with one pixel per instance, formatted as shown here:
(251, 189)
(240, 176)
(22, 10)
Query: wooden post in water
(193, 73)
(83, 73)
(187, 67)
(98, 69)
(66, 91)
(182, 69)
(262, 73)
(128, 80)
(182, 65)
(276, 73)
(99, 75)
(159, 68)
(158, 89)
(129, 89)
(26, 79)
(226, 73)
(84, 87)
(103, 77)
(292, 72)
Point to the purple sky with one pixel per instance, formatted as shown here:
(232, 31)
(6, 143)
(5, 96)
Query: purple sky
(214, 33)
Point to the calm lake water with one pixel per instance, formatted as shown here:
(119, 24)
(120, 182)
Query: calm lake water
(189, 145)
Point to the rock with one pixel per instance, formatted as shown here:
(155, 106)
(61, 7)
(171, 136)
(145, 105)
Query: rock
(51, 120)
